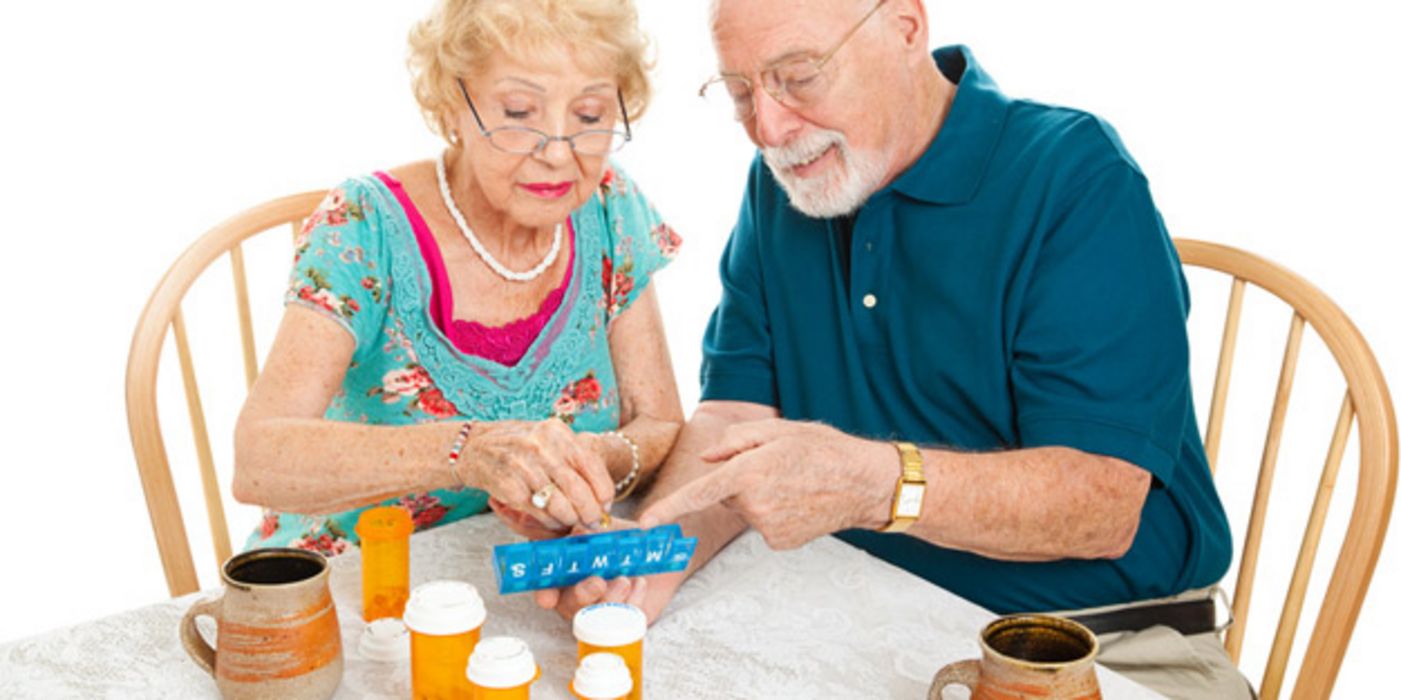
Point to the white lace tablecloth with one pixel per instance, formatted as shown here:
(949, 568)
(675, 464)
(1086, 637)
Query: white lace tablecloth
(825, 621)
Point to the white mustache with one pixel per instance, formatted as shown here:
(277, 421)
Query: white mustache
(804, 150)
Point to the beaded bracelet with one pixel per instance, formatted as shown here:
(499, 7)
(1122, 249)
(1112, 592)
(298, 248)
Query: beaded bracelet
(624, 487)
(457, 444)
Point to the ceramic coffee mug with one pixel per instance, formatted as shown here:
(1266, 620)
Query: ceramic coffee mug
(278, 636)
(1027, 656)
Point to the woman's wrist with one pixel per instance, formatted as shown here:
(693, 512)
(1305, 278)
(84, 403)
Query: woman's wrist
(624, 486)
(456, 465)
(613, 453)
(620, 456)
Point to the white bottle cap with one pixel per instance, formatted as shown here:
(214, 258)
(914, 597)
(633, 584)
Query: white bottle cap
(610, 624)
(443, 608)
(501, 662)
(602, 676)
(385, 639)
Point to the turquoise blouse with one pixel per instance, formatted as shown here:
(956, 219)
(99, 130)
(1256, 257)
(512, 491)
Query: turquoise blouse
(358, 263)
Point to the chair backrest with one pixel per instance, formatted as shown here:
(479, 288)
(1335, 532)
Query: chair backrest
(1366, 401)
(162, 313)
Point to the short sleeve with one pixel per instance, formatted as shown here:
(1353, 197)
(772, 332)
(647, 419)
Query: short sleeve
(1099, 356)
(639, 242)
(337, 270)
(737, 361)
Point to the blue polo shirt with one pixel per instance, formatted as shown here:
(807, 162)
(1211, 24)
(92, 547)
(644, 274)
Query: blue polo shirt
(1015, 287)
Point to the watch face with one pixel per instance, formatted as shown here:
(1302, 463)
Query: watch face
(911, 497)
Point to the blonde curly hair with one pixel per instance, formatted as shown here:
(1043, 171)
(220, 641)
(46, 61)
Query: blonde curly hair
(459, 37)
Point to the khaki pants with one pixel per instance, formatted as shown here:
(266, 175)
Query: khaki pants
(1170, 663)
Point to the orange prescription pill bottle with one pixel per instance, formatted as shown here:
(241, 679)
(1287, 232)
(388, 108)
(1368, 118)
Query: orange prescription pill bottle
(384, 560)
(617, 628)
(502, 668)
(601, 676)
(445, 622)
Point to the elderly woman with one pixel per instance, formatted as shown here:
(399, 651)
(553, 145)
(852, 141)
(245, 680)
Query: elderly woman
(477, 327)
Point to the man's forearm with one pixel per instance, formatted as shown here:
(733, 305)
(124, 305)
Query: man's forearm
(1032, 504)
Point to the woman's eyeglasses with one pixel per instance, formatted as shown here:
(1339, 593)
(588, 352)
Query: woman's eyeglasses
(523, 140)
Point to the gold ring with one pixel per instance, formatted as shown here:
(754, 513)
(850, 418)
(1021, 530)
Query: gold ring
(541, 498)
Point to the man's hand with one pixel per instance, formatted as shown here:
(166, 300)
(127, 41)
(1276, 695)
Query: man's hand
(792, 481)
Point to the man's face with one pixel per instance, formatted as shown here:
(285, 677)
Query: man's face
(831, 154)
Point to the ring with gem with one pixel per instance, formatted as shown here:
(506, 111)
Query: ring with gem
(541, 498)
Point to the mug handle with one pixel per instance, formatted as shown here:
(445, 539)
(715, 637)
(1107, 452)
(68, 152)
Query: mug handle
(964, 673)
(198, 649)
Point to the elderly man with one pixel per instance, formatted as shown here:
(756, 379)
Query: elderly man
(922, 261)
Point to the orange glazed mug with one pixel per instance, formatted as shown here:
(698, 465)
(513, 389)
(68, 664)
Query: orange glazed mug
(278, 635)
(1027, 656)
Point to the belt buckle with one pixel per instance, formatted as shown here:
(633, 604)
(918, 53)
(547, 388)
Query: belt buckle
(1218, 594)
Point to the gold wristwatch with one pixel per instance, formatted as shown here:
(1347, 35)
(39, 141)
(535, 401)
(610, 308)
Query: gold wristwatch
(909, 493)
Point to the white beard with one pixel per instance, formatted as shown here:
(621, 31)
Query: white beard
(839, 191)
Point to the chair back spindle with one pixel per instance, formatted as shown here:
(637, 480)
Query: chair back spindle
(1224, 363)
(245, 315)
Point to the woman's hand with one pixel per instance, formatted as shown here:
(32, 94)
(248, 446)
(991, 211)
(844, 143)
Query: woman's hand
(513, 460)
(524, 524)
(568, 601)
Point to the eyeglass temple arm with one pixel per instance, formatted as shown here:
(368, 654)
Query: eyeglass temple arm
(850, 33)
(481, 126)
(627, 124)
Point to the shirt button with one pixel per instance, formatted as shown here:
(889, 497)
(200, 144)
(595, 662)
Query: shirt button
(870, 246)
(869, 300)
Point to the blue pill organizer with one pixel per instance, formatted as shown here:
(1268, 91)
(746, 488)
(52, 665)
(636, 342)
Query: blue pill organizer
(530, 566)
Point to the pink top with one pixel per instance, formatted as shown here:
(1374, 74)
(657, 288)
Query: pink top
(503, 344)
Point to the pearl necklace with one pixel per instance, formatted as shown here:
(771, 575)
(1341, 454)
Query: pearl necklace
(486, 257)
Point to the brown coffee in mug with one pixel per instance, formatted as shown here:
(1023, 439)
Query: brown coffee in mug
(278, 634)
(1027, 656)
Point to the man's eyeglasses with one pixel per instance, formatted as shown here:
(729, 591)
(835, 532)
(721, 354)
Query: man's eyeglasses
(523, 140)
(796, 83)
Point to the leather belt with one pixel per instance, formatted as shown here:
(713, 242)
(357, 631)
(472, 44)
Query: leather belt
(1188, 617)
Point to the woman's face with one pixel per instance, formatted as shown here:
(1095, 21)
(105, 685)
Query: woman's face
(557, 98)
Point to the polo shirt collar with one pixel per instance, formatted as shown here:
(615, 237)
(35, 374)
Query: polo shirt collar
(951, 168)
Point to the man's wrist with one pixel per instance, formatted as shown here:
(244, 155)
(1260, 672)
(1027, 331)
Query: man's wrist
(908, 503)
(886, 470)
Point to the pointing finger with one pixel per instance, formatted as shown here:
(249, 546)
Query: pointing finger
(693, 497)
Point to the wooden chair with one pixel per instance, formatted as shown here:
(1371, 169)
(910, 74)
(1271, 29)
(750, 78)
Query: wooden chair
(1367, 401)
(163, 312)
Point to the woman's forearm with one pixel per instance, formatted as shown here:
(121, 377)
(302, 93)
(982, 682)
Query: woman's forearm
(314, 466)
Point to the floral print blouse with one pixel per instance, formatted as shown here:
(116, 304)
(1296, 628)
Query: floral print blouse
(359, 264)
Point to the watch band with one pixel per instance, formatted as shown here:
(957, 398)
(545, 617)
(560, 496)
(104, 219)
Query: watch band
(909, 492)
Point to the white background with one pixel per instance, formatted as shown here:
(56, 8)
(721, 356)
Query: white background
(129, 128)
